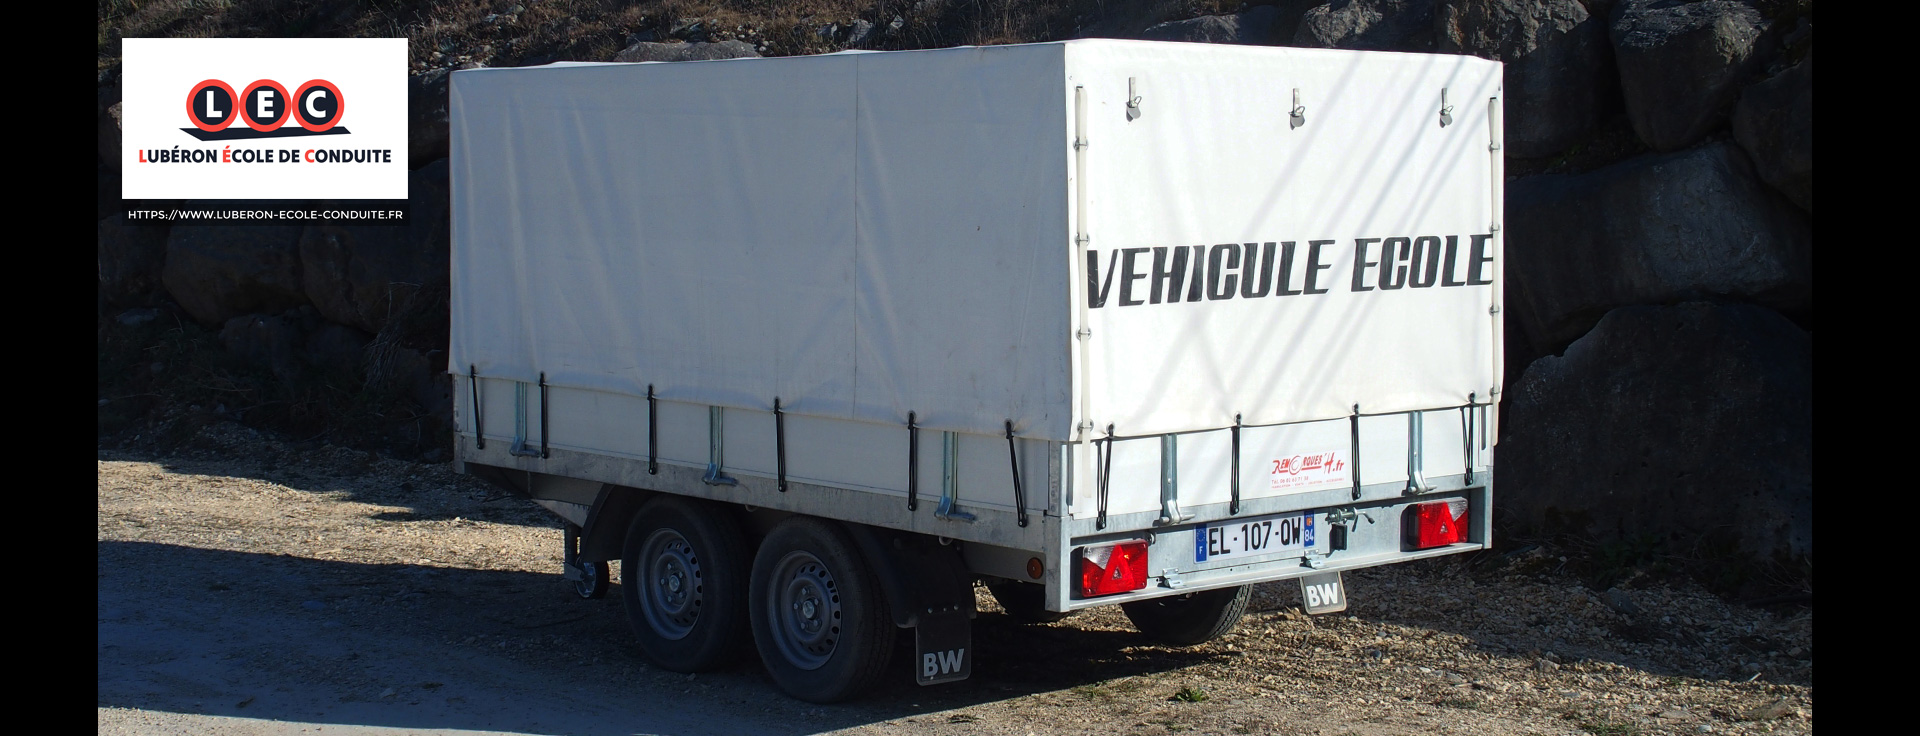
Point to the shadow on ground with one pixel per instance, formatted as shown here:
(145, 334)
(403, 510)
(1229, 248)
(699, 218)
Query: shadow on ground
(198, 631)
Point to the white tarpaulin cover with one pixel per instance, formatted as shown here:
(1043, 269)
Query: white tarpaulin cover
(864, 235)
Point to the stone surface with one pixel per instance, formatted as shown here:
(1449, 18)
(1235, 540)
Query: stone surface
(270, 342)
(1681, 64)
(1654, 229)
(358, 275)
(1689, 425)
(1560, 79)
(109, 137)
(1287, 17)
(1774, 123)
(130, 259)
(427, 135)
(218, 272)
(137, 317)
(1253, 26)
(107, 187)
(1377, 25)
(697, 51)
(858, 34)
(335, 349)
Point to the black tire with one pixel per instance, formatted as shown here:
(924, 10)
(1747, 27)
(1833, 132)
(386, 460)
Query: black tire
(593, 582)
(1194, 618)
(820, 619)
(1025, 602)
(684, 582)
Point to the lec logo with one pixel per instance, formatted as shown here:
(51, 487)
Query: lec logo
(265, 106)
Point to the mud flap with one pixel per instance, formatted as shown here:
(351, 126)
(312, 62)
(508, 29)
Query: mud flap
(1323, 593)
(943, 647)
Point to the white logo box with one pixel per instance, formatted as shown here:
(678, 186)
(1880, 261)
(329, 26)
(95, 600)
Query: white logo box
(158, 73)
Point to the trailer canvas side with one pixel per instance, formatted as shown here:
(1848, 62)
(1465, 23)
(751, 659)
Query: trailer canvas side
(830, 338)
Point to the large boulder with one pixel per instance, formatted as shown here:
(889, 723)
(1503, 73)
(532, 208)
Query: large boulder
(1774, 122)
(1655, 229)
(336, 349)
(1682, 63)
(1377, 25)
(1251, 27)
(218, 272)
(1287, 17)
(697, 51)
(130, 259)
(109, 137)
(427, 136)
(1690, 425)
(1116, 19)
(107, 119)
(107, 188)
(1559, 66)
(359, 274)
(270, 342)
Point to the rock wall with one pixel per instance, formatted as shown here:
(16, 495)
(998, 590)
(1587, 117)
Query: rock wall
(1660, 228)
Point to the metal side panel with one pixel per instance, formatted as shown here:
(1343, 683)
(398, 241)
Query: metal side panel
(683, 434)
(996, 526)
(600, 419)
(855, 453)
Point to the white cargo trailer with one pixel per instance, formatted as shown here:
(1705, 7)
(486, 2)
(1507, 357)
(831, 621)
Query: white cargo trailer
(814, 344)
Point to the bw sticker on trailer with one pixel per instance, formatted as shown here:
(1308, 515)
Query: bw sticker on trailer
(1257, 536)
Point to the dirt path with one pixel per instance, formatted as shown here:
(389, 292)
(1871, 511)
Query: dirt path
(251, 587)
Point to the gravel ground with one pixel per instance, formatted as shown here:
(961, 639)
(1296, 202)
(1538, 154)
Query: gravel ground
(252, 586)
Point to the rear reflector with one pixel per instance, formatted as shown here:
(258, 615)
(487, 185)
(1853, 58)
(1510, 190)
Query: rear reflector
(1434, 523)
(1113, 569)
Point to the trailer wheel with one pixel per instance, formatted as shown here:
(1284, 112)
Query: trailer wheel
(593, 580)
(820, 619)
(1025, 602)
(684, 576)
(1185, 620)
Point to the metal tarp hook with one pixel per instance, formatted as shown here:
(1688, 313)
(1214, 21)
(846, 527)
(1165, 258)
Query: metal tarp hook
(1446, 110)
(1133, 102)
(1298, 116)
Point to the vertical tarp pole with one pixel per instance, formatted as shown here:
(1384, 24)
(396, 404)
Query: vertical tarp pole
(1019, 489)
(1355, 452)
(479, 430)
(653, 433)
(913, 462)
(1106, 473)
(780, 445)
(1234, 470)
(1466, 428)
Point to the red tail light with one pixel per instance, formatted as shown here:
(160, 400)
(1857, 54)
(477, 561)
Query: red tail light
(1114, 569)
(1435, 523)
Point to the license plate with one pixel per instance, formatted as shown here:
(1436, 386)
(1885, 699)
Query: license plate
(1256, 536)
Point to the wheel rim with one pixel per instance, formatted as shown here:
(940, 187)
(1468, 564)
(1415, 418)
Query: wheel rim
(589, 579)
(670, 584)
(806, 613)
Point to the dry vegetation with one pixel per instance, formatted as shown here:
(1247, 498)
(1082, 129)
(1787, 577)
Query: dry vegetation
(520, 32)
